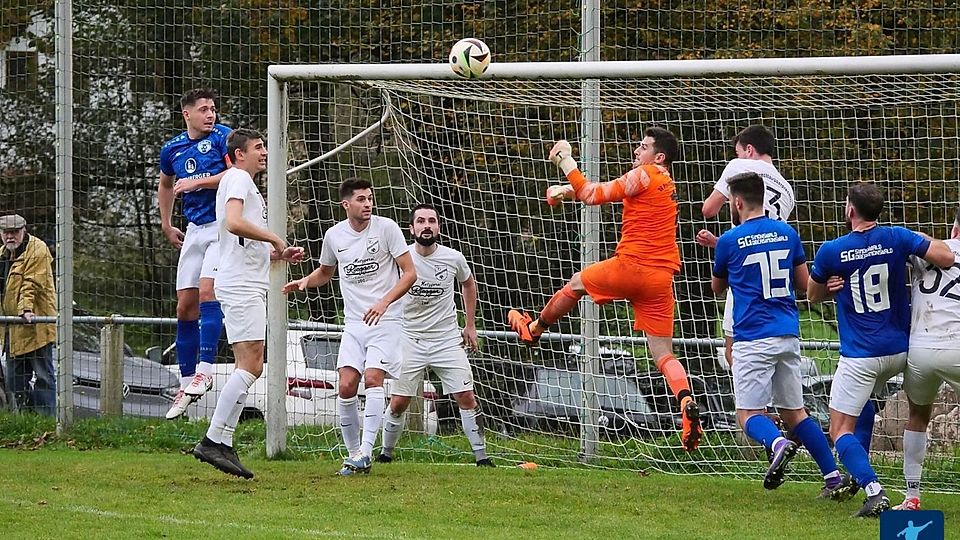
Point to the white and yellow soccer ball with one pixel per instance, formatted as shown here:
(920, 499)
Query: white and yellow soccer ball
(470, 58)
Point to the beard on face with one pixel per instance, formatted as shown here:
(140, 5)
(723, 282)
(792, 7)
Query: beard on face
(427, 241)
(849, 223)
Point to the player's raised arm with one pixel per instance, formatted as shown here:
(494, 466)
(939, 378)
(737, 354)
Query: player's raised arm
(593, 193)
(318, 278)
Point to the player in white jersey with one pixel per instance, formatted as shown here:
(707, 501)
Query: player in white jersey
(376, 270)
(433, 338)
(933, 356)
(754, 147)
(246, 248)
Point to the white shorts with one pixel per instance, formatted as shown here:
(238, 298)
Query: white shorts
(198, 255)
(244, 315)
(372, 347)
(445, 357)
(728, 314)
(767, 370)
(927, 369)
(857, 379)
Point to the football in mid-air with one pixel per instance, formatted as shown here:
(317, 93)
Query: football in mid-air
(469, 58)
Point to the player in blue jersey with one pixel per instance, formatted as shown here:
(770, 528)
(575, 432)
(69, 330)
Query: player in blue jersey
(191, 165)
(762, 260)
(866, 271)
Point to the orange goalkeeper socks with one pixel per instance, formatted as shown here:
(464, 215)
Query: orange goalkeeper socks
(675, 375)
(562, 302)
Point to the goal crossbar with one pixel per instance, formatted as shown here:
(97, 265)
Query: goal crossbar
(832, 65)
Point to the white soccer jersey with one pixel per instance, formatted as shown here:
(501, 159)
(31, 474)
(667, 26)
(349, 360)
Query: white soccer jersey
(428, 307)
(366, 264)
(779, 200)
(244, 263)
(936, 303)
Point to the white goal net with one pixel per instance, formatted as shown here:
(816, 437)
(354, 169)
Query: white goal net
(589, 394)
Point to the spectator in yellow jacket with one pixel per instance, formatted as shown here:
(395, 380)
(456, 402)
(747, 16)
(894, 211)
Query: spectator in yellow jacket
(26, 282)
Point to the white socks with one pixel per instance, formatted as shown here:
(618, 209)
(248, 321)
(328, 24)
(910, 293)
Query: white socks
(372, 418)
(473, 429)
(392, 428)
(349, 415)
(914, 449)
(204, 367)
(229, 406)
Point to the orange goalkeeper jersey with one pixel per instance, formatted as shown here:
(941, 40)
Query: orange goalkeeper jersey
(649, 231)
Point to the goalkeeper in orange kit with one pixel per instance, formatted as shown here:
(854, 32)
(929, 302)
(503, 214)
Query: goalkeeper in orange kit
(642, 268)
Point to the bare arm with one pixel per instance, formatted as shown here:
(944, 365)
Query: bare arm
(718, 285)
(165, 198)
(318, 278)
(713, 204)
(939, 254)
(801, 276)
(817, 292)
(184, 185)
(469, 291)
(236, 224)
(407, 278)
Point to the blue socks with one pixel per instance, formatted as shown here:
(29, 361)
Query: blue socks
(188, 344)
(864, 430)
(855, 459)
(761, 429)
(211, 326)
(813, 439)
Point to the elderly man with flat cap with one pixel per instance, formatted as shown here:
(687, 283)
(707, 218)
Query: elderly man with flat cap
(26, 284)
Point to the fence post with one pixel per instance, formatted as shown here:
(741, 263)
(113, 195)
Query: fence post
(111, 369)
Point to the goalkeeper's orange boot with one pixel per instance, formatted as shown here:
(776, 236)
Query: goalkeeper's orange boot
(690, 436)
(520, 323)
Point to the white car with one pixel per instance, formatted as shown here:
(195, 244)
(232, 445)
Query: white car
(311, 384)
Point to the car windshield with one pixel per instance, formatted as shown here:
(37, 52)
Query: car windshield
(320, 352)
(86, 338)
(613, 393)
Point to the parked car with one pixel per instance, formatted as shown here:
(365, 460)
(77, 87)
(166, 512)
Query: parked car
(553, 403)
(713, 392)
(148, 387)
(312, 379)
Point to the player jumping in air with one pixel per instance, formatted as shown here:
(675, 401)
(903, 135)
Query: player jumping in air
(191, 165)
(642, 268)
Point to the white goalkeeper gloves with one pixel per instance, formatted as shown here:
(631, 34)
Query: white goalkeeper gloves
(562, 156)
(557, 194)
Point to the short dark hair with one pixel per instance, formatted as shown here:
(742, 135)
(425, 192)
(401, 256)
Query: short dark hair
(664, 142)
(758, 137)
(192, 96)
(423, 206)
(867, 200)
(956, 219)
(348, 186)
(238, 140)
(748, 186)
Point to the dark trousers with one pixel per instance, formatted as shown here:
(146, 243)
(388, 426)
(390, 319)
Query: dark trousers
(41, 397)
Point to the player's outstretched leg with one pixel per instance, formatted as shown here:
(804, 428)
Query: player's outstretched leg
(676, 377)
(562, 301)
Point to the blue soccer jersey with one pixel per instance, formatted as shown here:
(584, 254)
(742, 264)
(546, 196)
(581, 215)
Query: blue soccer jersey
(873, 308)
(183, 157)
(757, 259)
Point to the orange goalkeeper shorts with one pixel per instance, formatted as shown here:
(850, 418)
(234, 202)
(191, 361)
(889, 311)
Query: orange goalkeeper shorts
(649, 290)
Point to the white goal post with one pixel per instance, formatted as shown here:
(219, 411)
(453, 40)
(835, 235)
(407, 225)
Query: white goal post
(476, 149)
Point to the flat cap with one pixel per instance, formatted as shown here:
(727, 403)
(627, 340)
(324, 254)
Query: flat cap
(12, 222)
